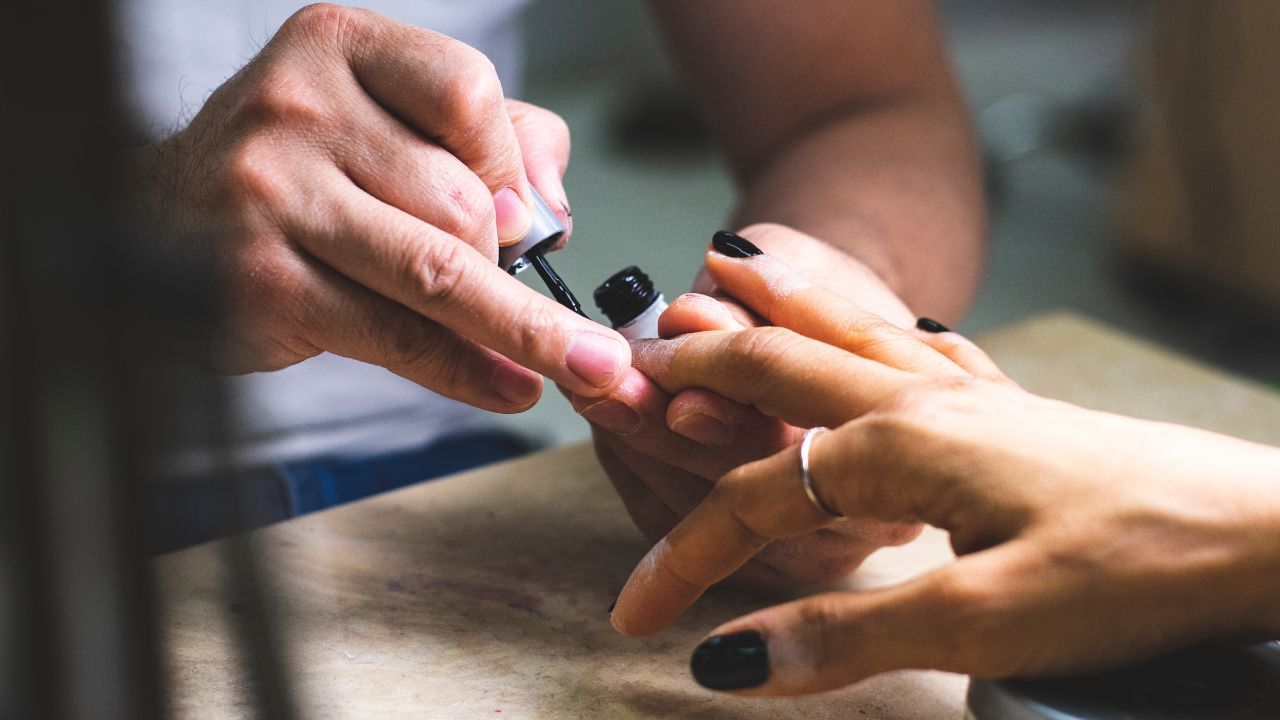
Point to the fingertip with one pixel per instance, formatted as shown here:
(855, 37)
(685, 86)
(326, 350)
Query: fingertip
(598, 359)
(695, 312)
(519, 387)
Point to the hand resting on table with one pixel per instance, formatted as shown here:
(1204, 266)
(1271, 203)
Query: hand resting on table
(1085, 539)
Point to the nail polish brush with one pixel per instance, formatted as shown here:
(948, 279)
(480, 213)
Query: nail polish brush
(545, 229)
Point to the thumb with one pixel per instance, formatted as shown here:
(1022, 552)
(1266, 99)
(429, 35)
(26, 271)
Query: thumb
(945, 620)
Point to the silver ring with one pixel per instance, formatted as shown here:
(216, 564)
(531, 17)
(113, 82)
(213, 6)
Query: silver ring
(806, 479)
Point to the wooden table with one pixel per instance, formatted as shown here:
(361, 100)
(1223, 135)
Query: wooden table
(485, 595)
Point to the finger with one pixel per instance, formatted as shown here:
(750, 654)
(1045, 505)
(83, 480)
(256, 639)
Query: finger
(768, 287)
(544, 143)
(798, 380)
(417, 176)
(715, 421)
(868, 468)
(678, 490)
(694, 312)
(745, 511)
(346, 319)
(650, 513)
(445, 90)
(651, 501)
(448, 281)
(951, 619)
(635, 411)
(963, 352)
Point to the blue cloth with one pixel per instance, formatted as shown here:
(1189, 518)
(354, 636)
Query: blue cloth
(183, 514)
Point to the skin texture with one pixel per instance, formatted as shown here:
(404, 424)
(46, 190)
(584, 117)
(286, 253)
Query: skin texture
(349, 188)
(852, 149)
(1085, 540)
(843, 122)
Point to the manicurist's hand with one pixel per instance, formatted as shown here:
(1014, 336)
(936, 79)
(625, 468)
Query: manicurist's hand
(1085, 539)
(349, 189)
(664, 452)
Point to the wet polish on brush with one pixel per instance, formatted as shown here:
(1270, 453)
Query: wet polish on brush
(555, 284)
(734, 245)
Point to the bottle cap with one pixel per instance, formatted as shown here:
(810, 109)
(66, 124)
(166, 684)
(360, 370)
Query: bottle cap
(545, 230)
(625, 295)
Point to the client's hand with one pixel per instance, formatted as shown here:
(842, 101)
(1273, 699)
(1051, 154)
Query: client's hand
(663, 453)
(1085, 539)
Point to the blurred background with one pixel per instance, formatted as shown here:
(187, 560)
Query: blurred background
(1056, 90)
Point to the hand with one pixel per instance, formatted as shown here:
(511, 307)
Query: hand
(349, 189)
(1085, 540)
(663, 453)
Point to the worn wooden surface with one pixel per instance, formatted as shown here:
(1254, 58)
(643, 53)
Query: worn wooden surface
(486, 594)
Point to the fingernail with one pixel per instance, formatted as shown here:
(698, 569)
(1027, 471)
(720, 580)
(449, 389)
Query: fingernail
(516, 385)
(734, 245)
(613, 416)
(612, 605)
(703, 428)
(731, 662)
(594, 358)
(512, 215)
(933, 326)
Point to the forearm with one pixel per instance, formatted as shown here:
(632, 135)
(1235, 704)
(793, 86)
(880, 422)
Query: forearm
(895, 185)
(844, 122)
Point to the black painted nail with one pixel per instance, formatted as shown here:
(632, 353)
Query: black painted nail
(734, 245)
(731, 662)
(612, 605)
(932, 326)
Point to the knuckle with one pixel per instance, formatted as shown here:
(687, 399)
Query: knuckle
(819, 618)
(469, 211)
(400, 340)
(263, 294)
(263, 284)
(253, 178)
(762, 346)
(754, 353)
(438, 272)
(532, 324)
(324, 21)
(280, 97)
(868, 335)
(473, 91)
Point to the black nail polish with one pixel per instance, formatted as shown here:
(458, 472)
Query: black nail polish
(731, 662)
(734, 245)
(612, 605)
(932, 326)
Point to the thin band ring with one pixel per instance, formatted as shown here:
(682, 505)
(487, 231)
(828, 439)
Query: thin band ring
(807, 480)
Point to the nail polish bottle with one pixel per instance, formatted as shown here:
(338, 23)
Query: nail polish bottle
(631, 303)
